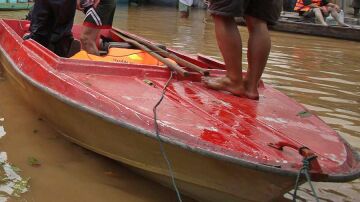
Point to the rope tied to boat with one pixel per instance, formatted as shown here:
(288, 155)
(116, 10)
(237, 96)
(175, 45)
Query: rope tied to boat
(305, 171)
(162, 149)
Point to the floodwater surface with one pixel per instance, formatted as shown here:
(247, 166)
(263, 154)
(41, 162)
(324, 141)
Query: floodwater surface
(321, 73)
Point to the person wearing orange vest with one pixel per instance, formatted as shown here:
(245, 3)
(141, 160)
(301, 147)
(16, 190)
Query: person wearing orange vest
(308, 5)
(319, 9)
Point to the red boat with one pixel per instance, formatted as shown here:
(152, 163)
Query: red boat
(221, 147)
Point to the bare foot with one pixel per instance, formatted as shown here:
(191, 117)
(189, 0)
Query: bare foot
(251, 91)
(225, 84)
(241, 89)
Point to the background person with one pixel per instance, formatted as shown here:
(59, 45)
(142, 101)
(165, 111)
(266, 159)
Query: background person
(319, 9)
(356, 6)
(184, 7)
(288, 5)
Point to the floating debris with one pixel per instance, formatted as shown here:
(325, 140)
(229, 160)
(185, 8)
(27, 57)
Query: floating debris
(32, 161)
(148, 82)
(11, 183)
(304, 114)
(2, 132)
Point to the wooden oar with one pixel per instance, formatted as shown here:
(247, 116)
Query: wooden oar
(167, 54)
(168, 63)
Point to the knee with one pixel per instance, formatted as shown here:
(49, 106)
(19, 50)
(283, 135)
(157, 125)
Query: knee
(316, 10)
(223, 19)
(256, 25)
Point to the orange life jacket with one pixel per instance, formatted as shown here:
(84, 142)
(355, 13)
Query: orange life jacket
(122, 55)
(301, 7)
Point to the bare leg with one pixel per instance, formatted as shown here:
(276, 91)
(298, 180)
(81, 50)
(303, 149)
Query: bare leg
(319, 16)
(184, 14)
(88, 40)
(259, 46)
(229, 41)
(336, 16)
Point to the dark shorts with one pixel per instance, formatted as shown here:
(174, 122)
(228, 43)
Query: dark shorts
(267, 10)
(102, 16)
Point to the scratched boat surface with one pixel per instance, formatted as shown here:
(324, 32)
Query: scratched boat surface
(221, 147)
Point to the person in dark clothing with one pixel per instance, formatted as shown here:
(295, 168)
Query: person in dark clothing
(51, 24)
(288, 5)
(356, 6)
(29, 15)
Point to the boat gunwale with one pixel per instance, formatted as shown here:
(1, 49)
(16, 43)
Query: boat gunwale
(241, 162)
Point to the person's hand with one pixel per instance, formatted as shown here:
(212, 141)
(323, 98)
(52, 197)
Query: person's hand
(78, 6)
(337, 8)
(96, 3)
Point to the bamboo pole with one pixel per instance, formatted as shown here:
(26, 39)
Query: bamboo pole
(169, 64)
(167, 54)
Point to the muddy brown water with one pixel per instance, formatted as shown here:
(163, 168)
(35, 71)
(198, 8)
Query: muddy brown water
(321, 73)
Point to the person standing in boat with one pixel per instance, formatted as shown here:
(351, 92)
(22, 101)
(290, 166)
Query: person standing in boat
(99, 16)
(319, 9)
(258, 14)
(51, 24)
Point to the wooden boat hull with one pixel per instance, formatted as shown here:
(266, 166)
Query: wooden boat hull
(198, 176)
